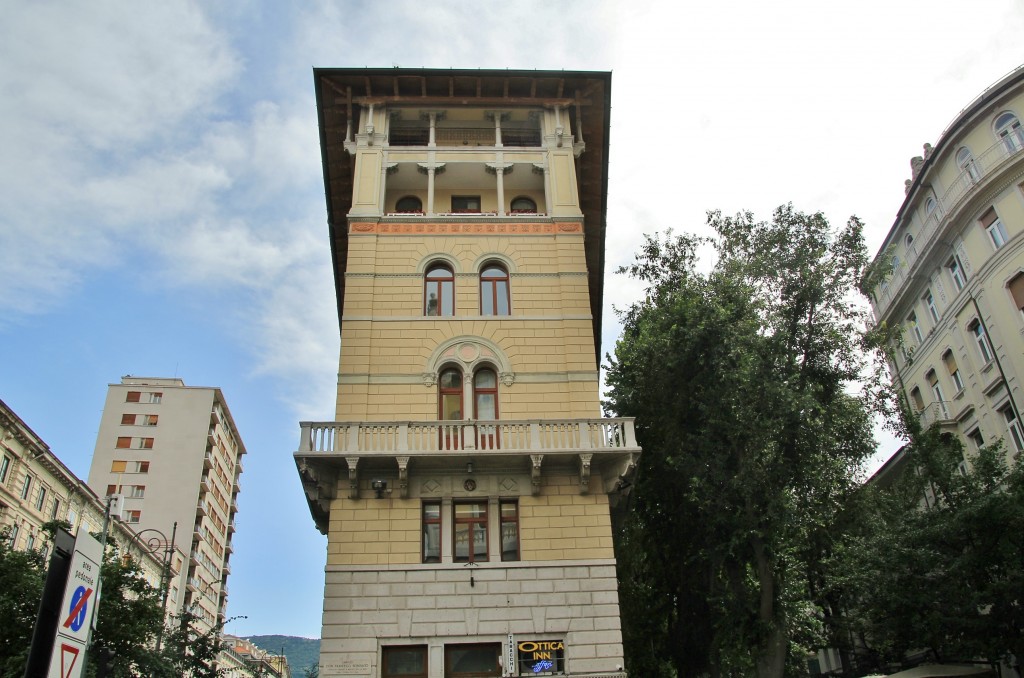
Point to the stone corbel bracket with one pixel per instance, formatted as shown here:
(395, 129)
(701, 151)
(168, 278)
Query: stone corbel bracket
(622, 480)
(353, 477)
(403, 476)
(585, 460)
(320, 486)
(535, 460)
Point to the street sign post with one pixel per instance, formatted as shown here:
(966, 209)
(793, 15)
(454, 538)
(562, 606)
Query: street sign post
(81, 597)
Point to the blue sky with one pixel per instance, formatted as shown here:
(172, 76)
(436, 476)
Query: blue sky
(162, 208)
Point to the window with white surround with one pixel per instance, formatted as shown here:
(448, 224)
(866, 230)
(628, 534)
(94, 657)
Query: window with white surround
(965, 161)
(929, 302)
(26, 487)
(954, 372)
(1013, 427)
(1008, 129)
(984, 350)
(915, 328)
(933, 381)
(41, 499)
(929, 206)
(956, 272)
(994, 227)
(1016, 288)
(916, 399)
(5, 468)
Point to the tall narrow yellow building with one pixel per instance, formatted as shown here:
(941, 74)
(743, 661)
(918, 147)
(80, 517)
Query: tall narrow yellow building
(466, 483)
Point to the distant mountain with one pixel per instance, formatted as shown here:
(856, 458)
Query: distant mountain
(301, 652)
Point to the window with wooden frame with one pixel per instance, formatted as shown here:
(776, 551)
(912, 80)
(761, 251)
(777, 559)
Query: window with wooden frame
(485, 408)
(469, 533)
(150, 419)
(494, 290)
(439, 291)
(26, 487)
(1016, 288)
(915, 328)
(954, 372)
(509, 529)
(449, 385)
(994, 227)
(431, 527)
(929, 303)
(404, 661)
(476, 660)
(144, 443)
(916, 400)
(1008, 129)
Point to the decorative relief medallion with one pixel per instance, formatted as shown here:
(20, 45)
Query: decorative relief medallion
(470, 485)
(507, 378)
(468, 352)
(429, 379)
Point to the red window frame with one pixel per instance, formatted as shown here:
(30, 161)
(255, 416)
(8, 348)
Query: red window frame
(476, 525)
(439, 280)
(495, 296)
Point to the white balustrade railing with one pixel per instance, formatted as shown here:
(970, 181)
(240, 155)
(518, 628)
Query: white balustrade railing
(500, 437)
(934, 412)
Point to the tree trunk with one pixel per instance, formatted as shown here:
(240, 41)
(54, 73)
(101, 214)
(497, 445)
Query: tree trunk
(771, 656)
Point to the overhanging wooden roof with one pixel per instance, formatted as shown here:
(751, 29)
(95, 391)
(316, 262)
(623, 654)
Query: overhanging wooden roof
(586, 95)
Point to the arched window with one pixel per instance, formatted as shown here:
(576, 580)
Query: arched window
(485, 408)
(1008, 129)
(965, 161)
(494, 290)
(409, 204)
(909, 240)
(449, 406)
(485, 395)
(929, 206)
(439, 291)
(523, 205)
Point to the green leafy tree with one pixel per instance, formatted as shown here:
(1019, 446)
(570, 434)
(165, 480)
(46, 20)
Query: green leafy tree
(312, 671)
(21, 587)
(191, 651)
(128, 618)
(937, 564)
(740, 380)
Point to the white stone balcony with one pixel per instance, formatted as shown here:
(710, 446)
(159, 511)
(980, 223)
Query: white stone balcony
(332, 455)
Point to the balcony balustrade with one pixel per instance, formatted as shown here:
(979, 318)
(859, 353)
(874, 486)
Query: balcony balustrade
(990, 161)
(427, 438)
(330, 451)
(938, 412)
(463, 136)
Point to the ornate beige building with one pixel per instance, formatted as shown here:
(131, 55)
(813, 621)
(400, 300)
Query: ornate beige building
(956, 286)
(465, 484)
(175, 455)
(36, 488)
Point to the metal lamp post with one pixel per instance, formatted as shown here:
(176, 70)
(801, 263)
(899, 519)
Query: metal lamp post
(154, 544)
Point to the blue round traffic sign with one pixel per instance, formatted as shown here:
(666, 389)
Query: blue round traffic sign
(79, 619)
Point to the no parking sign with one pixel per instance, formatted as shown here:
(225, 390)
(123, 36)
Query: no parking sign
(81, 596)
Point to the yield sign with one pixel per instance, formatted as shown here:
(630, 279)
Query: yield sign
(68, 657)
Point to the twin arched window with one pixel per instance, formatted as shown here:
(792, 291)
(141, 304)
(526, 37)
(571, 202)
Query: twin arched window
(451, 403)
(439, 290)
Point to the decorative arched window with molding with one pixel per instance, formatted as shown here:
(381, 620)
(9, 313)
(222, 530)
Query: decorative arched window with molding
(485, 408)
(409, 204)
(449, 406)
(965, 161)
(1008, 129)
(494, 290)
(523, 205)
(439, 291)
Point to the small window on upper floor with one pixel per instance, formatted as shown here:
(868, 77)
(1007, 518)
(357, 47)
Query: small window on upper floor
(915, 327)
(965, 161)
(409, 204)
(523, 205)
(439, 291)
(954, 372)
(981, 339)
(916, 400)
(929, 303)
(929, 206)
(1008, 128)
(1016, 288)
(494, 290)
(466, 204)
(956, 272)
(994, 227)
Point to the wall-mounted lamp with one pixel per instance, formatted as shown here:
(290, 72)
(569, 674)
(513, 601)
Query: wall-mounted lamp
(380, 487)
(469, 467)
